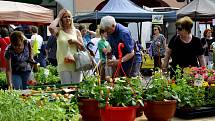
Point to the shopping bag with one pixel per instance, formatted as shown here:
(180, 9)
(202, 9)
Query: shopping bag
(83, 61)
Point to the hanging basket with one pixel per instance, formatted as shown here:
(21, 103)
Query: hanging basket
(159, 110)
(118, 113)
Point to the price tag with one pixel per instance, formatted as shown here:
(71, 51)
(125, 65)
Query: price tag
(199, 81)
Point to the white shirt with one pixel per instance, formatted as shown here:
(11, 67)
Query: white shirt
(95, 47)
(38, 38)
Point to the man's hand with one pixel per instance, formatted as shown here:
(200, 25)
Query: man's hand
(112, 62)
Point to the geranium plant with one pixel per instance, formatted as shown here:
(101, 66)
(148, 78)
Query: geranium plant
(189, 87)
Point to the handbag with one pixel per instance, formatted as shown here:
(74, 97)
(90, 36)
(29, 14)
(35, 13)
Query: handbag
(83, 61)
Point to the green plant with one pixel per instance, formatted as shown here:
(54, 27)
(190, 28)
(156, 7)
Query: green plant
(126, 92)
(159, 88)
(91, 89)
(3, 80)
(36, 108)
(47, 75)
(189, 94)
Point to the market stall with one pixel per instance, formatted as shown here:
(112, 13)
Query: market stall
(23, 13)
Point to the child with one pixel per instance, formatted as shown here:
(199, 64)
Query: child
(104, 48)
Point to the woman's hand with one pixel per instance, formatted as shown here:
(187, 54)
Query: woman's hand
(61, 12)
(10, 86)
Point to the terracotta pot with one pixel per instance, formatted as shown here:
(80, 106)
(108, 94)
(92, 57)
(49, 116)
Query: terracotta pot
(139, 111)
(160, 110)
(89, 109)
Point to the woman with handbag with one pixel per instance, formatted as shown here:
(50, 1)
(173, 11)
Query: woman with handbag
(69, 40)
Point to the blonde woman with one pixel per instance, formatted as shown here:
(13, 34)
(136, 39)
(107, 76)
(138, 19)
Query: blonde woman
(69, 40)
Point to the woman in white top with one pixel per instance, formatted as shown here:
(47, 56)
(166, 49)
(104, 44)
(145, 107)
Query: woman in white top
(69, 40)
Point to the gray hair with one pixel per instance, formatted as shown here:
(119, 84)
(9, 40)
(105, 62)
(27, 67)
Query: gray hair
(107, 22)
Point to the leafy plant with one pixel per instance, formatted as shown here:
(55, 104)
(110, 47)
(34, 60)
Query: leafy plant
(47, 76)
(160, 88)
(189, 94)
(40, 108)
(3, 80)
(91, 89)
(125, 92)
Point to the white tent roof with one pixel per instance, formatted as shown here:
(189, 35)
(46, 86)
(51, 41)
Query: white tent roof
(199, 9)
(15, 12)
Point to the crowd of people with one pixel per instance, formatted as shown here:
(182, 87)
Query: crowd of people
(17, 54)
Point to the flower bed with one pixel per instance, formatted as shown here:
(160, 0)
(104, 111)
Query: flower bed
(196, 89)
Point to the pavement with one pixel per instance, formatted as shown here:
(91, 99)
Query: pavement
(143, 118)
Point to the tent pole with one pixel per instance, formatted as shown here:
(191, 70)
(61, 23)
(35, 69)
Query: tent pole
(141, 24)
(138, 31)
(96, 17)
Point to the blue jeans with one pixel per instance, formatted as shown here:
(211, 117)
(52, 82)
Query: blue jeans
(19, 81)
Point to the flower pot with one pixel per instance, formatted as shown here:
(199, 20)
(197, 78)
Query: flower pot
(159, 110)
(118, 113)
(139, 111)
(89, 109)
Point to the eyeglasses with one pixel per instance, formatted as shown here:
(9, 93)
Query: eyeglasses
(155, 29)
(179, 28)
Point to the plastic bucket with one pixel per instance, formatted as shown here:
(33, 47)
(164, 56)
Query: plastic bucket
(118, 113)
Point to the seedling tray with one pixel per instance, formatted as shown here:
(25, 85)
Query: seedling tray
(195, 112)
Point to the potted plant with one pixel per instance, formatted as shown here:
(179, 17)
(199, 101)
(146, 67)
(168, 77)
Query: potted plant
(89, 93)
(160, 98)
(195, 87)
(122, 99)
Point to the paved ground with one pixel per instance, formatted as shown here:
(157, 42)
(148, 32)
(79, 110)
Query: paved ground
(143, 118)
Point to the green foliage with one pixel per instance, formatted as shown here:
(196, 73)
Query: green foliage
(43, 78)
(126, 92)
(190, 95)
(90, 88)
(3, 80)
(159, 89)
(14, 108)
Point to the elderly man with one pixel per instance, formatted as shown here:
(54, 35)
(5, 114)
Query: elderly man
(131, 56)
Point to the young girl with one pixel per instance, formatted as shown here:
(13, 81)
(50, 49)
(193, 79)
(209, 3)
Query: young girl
(104, 48)
(17, 55)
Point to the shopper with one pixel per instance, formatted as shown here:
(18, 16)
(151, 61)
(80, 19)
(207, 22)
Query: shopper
(4, 42)
(51, 49)
(104, 48)
(117, 33)
(38, 47)
(17, 56)
(69, 40)
(158, 46)
(185, 49)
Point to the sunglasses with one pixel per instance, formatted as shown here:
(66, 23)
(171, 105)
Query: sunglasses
(179, 28)
(155, 29)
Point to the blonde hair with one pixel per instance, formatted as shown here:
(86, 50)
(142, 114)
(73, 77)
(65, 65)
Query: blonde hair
(185, 23)
(60, 22)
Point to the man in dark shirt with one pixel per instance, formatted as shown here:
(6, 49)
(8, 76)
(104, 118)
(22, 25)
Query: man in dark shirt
(117, 33)
(51, 49)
